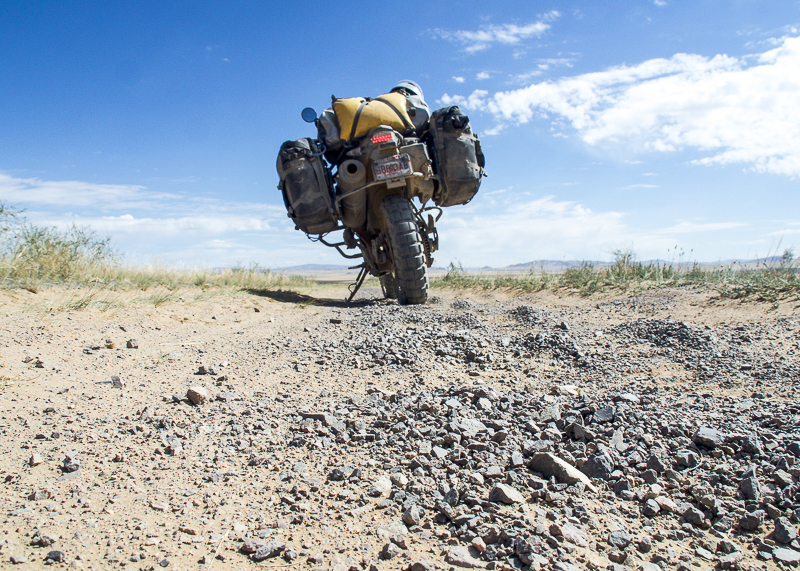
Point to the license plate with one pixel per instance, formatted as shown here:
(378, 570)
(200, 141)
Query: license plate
(392, 167)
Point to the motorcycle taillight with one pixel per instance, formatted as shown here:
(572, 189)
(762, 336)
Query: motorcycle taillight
(381, 137)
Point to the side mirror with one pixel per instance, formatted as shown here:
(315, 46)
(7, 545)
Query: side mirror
(308, 115)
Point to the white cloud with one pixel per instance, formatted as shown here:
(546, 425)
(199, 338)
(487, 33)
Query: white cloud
(640, 185)
(691, 227)
(660, 3)
(737, 111)
(74, 193)
(483, 75)
(458, 79)
(508, 34)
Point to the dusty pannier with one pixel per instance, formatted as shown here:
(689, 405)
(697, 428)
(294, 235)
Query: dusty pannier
(307, 186)
(457, 157)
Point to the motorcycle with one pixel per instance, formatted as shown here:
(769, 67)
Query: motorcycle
(366, 189)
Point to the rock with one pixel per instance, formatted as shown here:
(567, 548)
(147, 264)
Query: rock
(461, 557)
(708, 437)
(575, 535)
(18, 559)
(411, 516)
(549, 465)
(604, 415)
(654, 463)
(56, 556)
(269, 549)
(787, 556)
(694, 516)
(70, 464)
(687, 459)
(197, 395)
(752, 521)
(422, 565)
(389, 551)
(784, 532)
(381, 486)
(132, 344)
(731, 560)
(751, 487)
(619, 539)
(35, 459)
(651, 508)
(645, 544)
(666, 504)
(386, 532)
(505, 494)
(599, 466)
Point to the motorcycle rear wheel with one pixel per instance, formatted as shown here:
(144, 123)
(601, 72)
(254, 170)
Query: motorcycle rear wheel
(408, 254)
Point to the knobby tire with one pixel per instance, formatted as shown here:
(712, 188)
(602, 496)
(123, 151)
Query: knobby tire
(408, 254)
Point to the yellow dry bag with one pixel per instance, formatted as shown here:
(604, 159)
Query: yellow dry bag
(358, 116)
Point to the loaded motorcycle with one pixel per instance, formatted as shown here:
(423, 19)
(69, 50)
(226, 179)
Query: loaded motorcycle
(366, 183)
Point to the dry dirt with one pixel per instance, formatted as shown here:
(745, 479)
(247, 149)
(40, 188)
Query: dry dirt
(164, 483)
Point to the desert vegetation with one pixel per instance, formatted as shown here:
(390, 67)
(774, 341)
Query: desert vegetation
(35, 257)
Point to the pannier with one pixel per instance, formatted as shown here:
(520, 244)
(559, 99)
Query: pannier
(457, 157)
(307, 186)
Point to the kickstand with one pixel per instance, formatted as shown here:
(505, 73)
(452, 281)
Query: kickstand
(362, 275)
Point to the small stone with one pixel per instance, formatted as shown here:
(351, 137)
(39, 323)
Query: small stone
(35, 459)
(505, 494)
(132, 344)
(461, 557)
(784, 532)
(651, 508)
(56, 556)
(70, 464)
(18, 559)
(270, 549)
(731, 560)
(599, 466)
(708, 437)
(751, 487)
(654, 463)
(117, 382)
(604, 415)
(422, 565)
(197, 395)
(549, 465)
(788, 556)
(619, 539)
(694, 516)
(575, 535)
(411, 516)
(645, 544)
(386, 532)
(389, 551)
(752, 521)
(687, 459)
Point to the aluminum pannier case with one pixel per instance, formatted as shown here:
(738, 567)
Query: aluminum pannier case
(307, 186)
(457, 157)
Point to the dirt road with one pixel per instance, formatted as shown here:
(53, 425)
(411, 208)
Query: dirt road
(482, 430)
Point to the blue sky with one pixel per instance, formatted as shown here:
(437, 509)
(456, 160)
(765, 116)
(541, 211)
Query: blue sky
(640, 124)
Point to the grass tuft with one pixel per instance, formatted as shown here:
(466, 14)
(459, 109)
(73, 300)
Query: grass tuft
(769, 281)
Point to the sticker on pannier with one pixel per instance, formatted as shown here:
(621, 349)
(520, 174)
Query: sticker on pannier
(458, 158)
(307, 186)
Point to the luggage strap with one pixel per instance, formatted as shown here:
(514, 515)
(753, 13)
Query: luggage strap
(355, 119)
